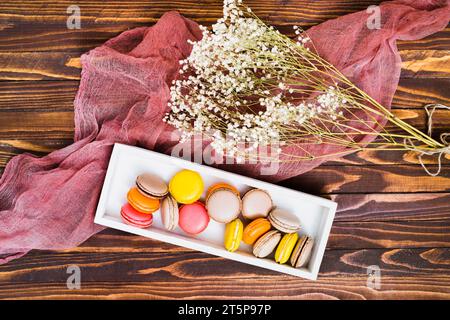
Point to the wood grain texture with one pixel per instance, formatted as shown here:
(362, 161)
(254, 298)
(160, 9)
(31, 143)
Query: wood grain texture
(35, 26)
(66, 65)
(405, 273)
(393, 207)
(391, 214)
(368, 179)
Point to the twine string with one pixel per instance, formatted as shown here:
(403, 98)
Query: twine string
(430, 109)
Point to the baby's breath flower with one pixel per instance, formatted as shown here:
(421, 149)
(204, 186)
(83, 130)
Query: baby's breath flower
(222, 85)
(246, 85)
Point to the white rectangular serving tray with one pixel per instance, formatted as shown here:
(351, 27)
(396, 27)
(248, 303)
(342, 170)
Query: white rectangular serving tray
(316, 214)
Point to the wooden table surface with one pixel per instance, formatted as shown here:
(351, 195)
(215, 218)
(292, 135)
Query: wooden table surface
(392, 214)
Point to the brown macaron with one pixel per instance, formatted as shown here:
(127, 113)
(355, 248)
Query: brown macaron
(302, 252)
(152, 186)
(266, 244)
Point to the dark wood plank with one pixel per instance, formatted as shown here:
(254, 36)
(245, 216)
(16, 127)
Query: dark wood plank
(425, 63)
(273, 11)
(370, 179)
(22, 36)
(415, 92)
(66, 65)
(405, 273)
(369, 235)
(39, 66)
(393, 207)
(43, 27)
(42, 96)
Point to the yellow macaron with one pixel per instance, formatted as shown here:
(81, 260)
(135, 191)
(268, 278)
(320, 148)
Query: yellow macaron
(285, 247)
(186, 186)
(233, 235)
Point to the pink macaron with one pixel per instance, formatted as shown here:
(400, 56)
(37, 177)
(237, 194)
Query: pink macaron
(193, 218)
(135, 218)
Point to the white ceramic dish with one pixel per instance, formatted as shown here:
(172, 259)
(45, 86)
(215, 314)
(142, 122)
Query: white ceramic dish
(316, 214)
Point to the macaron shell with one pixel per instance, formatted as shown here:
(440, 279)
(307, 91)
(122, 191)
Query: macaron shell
(193, 218)
(186, 186)
(169, 213)
(265, 245)
(284, 221)
(151, 185)
(135, 218)
(302, 252)
(285, 248)
(255, 229)
(223, 205)
(142, 203)
(221, 185)
(233, 235)
(256, 203)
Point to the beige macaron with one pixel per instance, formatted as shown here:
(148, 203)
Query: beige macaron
(302, 252)
(223, 204)
(151, 185)
(266, 244)
(169, 213)
(256, 203)
(284, 221)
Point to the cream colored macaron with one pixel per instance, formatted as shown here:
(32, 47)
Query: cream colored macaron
(223, 203)
(256, 203)
(284, 221)
(266, 244)
(169, 213)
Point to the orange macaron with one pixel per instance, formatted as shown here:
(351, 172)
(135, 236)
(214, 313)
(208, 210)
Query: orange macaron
(142, 203)
(255, 229)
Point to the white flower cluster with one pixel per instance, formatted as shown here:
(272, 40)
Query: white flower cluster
(235, 85)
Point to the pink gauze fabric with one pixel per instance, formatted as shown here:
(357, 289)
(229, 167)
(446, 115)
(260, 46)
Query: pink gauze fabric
(48, 203)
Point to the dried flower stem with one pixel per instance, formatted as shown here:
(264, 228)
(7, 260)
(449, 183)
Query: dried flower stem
(246, 85)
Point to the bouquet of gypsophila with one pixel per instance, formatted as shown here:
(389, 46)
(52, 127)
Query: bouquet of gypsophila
(245, 85)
